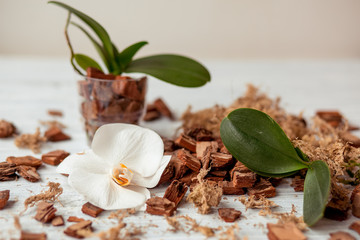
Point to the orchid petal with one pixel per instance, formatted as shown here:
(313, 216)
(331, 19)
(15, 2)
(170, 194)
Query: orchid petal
(152, 181)
(102, 191)
(86, 160)
(140, 149)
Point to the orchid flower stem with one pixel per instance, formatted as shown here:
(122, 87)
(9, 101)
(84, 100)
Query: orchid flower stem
(69, 44)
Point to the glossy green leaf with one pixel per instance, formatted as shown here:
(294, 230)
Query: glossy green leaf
(94, 25)
(174, 69)
(257, 141)
(316, 191)
(100, 50)
(302, 155)
(84, 61)
(274, 175)
(125, 57)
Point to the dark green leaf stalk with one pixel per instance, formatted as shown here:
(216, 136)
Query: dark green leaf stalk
(257, 141)
(174, 69)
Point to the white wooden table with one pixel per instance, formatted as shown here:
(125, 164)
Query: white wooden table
(29, 87)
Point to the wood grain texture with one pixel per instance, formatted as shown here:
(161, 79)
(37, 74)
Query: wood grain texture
(30, 87)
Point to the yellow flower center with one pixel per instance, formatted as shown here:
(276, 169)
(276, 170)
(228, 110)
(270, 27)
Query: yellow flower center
(122, 175)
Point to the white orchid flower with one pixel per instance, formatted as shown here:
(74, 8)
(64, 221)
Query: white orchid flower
(124, 160)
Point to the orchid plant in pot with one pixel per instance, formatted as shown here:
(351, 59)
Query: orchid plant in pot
(108, 96)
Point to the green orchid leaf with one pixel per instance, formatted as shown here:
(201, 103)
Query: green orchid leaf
(94, 25)
(316, 191)
(100, 50)
(274, 175)
(302, 155)
(174, 69)
(257, 141)
(125, 57)
(84, 62)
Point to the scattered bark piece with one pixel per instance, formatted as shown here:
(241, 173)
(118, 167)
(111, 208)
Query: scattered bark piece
(29, 173)
(168, 174)
(186, 142)
(26, 160)
(202, 146)
(341, 236)
(275, 181)
(334, 118)
(175, 192)
(229, 214)
(75, 219)
(284, 232)
(242, 176)
(221, 160)
(160, 206)
(337, 209)
(79, 230)
(189, 179)
(56, 113)
(218, 173)
(179, 166)
(45, 212)
(7, 129)
(355, 226)
(223, 149)
(200, 134)
(55, 134)
(169, 145)
(262, 188)
(91, 210)
(7, 171)
(162, 108)
(298, 184)
(356, 205)
(230, 189)
(32, 236)
(351, 139)
(354, 192)
(151, 115)
(31, 141)
(55, 157)
(4, 197)
(58, 221)
(189, 160)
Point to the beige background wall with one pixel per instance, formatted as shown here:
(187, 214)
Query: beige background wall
(200, 28)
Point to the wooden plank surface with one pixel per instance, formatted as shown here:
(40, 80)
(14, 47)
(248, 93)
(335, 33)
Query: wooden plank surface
(29, 87)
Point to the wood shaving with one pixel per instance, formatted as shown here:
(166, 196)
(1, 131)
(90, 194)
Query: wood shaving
(17, 224)
(291, 217)
(319, 140)
(52, 195)
(31, 141)
(176, 225)
(261, 203)
(204, 194)
(53, 123)
(210, 118)
(120, 232)
(230, 233)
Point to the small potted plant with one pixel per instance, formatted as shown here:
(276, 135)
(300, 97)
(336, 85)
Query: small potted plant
(108, 95)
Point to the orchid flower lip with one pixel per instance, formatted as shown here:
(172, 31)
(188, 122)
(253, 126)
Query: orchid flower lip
(121, 175)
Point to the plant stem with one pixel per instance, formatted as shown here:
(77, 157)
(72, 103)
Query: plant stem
(69, 44)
